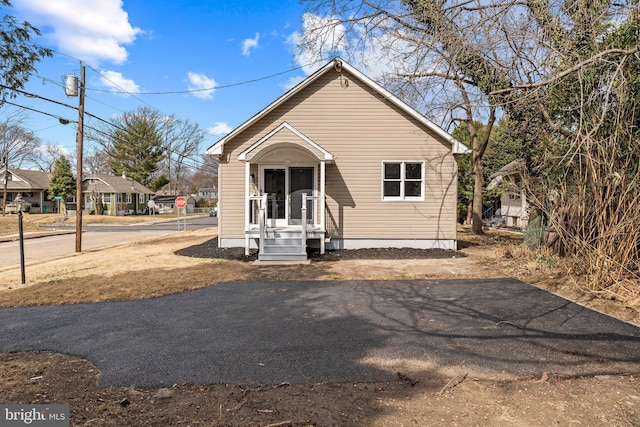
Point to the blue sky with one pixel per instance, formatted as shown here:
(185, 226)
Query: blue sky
(151, 46)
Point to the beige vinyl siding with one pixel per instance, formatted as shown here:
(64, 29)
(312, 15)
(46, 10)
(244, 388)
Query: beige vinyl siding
(361, 130)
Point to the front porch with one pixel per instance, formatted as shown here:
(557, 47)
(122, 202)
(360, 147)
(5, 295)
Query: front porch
(285, 174)
(277, 241)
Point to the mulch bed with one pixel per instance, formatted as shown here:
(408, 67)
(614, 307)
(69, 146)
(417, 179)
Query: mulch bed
(210, 249)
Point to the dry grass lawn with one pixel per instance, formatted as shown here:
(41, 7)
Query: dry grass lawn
(150, 268)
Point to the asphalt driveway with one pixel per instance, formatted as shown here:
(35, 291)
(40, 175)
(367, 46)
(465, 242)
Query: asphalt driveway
(347, 331)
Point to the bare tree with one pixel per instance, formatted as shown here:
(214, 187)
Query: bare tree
(45, 156)
(177, 140)
(441, 57)
(205, 176)
(461, 60)
(181, 141)
(96, 161)
(18, 144)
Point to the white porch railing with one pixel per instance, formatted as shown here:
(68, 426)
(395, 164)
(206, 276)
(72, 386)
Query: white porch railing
(258, 220)
(304, 219)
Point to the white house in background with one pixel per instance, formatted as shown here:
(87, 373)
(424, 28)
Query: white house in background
(207, 193)
(514, 206)
(167, 203)
(337, 161)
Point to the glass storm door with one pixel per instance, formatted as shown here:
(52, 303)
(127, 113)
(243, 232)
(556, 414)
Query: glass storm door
(274, 184)
(300, 182)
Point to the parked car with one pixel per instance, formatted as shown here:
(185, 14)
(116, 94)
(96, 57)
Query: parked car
(213, 212)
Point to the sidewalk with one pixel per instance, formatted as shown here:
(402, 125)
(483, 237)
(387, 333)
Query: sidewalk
(60, 229)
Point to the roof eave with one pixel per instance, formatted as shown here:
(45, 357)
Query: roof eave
(217, 148)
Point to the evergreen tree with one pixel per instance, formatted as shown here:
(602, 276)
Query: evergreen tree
(62, 181)
(134, 144)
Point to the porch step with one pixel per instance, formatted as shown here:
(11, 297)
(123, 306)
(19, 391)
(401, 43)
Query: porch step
(282, 257)
(282, 245)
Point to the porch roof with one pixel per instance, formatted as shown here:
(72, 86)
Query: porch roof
(285, 134)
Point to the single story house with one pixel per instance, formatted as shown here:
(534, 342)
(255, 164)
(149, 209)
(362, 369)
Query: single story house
(32, 185)
(207, 193)
(337, 162)
(167, 203)
(114, 195)
(514, 207)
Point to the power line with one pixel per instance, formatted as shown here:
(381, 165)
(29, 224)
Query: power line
(172, 92)
(182, 92)
(62, 120)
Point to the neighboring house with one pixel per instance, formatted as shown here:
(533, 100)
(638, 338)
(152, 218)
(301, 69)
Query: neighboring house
(167, 203)
(114, 195)
(373, 171)
(207, 193)
(514, 207)
(33, 187)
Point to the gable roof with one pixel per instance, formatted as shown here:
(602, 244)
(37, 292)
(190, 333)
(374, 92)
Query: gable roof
(516, 167)
(456, 146)
(311, 146)
(28, 180)
(113, 184)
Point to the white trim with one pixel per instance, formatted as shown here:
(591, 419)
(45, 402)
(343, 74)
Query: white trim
(457, 147)
(450, 244)
(284, 125)
(402, 180)
(287, 187)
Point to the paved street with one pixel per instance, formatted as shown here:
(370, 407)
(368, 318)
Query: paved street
(347, 331)
(93, 237)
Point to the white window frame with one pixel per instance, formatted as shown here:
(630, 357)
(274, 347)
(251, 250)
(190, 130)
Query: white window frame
(106, 198)
(141, 198)
(129, 199)
(402, 180)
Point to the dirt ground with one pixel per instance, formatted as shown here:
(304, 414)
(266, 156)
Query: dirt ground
(161, 266)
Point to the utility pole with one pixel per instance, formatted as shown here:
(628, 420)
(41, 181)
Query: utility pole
(79, 143)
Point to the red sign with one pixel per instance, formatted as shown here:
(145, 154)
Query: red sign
(181, 202)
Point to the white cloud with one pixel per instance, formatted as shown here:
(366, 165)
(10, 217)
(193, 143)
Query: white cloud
(292, 82)
(92, 30)
(323, 38)
(249, 44)
(202, 84)
(116, 81)
(320, 36)
(54, 150)
(219, 129)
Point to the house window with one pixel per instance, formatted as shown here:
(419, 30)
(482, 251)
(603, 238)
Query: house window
(402, 180)
(140, 198)
(106, 198)
(129, 198)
